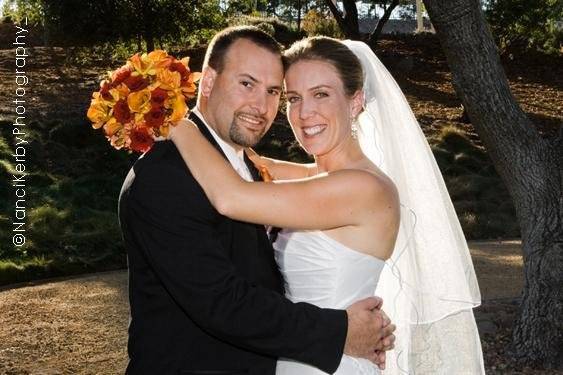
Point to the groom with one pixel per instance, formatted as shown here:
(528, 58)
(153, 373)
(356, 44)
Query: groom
(205, 293)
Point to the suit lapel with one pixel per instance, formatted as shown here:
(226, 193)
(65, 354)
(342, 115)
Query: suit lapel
(205, 131)
(253, 171)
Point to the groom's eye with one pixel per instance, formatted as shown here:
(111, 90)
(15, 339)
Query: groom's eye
(274, 92)
(246, 83)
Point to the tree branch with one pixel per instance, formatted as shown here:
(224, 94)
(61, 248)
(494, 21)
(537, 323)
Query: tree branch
(374, 36)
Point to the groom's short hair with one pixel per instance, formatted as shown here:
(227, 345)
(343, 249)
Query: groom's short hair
(219, 45)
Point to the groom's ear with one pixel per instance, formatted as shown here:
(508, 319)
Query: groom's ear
(207, 80)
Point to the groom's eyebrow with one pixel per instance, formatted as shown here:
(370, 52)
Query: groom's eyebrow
(249, 77)
(277, 87)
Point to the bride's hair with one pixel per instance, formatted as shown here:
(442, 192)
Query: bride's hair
(332, 51)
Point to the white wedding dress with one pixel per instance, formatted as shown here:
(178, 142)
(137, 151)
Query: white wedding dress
(321, 271)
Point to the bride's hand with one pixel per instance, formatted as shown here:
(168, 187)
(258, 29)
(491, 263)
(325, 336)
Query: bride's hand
(260, 163)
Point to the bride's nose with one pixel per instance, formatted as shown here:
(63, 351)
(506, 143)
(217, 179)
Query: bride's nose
(306, 109)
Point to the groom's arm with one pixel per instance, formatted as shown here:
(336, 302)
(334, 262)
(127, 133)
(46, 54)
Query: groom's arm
(175, 226)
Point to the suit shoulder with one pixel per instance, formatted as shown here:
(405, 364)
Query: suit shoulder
(162, 162)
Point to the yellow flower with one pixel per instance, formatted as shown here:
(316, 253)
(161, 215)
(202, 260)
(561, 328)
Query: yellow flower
(140, 101)
(98, 112)
(164, 130)
(111, 127)
(142, 64)
(179, 108)
(118, 92)
(168, 80)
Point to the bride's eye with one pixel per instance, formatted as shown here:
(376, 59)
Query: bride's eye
(321, 94)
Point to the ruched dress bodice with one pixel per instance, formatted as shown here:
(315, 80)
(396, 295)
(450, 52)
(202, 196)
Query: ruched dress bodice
(320, 270)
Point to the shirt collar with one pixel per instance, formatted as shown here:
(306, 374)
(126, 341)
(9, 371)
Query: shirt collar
(229, 150)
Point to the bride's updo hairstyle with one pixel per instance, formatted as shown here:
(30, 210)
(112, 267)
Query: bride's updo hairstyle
(332, 51)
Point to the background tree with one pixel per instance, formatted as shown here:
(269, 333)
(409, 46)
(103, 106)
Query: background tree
(348, 18)
(530, 164)
(527, 23)
(149, 21)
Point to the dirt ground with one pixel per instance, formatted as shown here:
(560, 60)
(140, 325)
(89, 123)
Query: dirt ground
(79, 325)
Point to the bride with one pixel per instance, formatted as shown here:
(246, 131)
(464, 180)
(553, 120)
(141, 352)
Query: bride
(370, 216)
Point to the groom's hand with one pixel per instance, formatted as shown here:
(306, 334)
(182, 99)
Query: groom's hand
(387, 342)
(366, 330)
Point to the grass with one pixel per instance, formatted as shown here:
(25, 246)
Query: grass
(482, 202)
(71, 203)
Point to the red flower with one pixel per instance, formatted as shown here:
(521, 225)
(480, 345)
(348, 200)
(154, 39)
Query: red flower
(120, 75)
(141, 140)
(121, 111)
(136, 83)
(182, 69)
(104, 90)
(158, 96)
(155, 117)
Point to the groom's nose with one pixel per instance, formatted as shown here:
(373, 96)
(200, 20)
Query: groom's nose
(260, 103)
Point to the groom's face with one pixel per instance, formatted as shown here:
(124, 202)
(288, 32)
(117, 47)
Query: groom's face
(243, 99)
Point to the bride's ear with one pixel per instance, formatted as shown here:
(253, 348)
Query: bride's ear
(357, 103)
(208, 77)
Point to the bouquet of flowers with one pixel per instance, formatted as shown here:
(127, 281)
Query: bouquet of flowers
(138, 102)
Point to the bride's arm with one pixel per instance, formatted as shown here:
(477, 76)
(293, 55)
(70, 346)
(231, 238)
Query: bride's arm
(330, 201)
(281, 169)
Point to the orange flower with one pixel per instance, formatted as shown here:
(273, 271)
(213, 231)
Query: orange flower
(265, 174)
(142, 64)
(189, 88)
(140, 101)
(179, 108)
(168, 80)
(111, 127)
(164, 130)
(160, 59)
(98, 112)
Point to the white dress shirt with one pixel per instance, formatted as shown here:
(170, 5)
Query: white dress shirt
(236, 158)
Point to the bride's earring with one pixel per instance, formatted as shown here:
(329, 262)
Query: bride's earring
(354, 129)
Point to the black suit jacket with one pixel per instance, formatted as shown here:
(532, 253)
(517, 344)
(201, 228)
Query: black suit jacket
(205, 294)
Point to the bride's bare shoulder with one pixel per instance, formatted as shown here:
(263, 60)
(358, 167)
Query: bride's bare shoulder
(369, 182)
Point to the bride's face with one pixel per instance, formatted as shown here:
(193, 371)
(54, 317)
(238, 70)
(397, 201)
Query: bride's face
(318, 108)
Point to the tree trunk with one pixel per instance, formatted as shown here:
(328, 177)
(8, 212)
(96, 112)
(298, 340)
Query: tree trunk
(529, 164)
(149, 40)
(374, 36)
(299, 15)
(419, 19)
(349, 23)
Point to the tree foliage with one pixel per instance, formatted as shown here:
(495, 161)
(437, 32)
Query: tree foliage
(89, 22)
(318, 23)
(536, 24)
